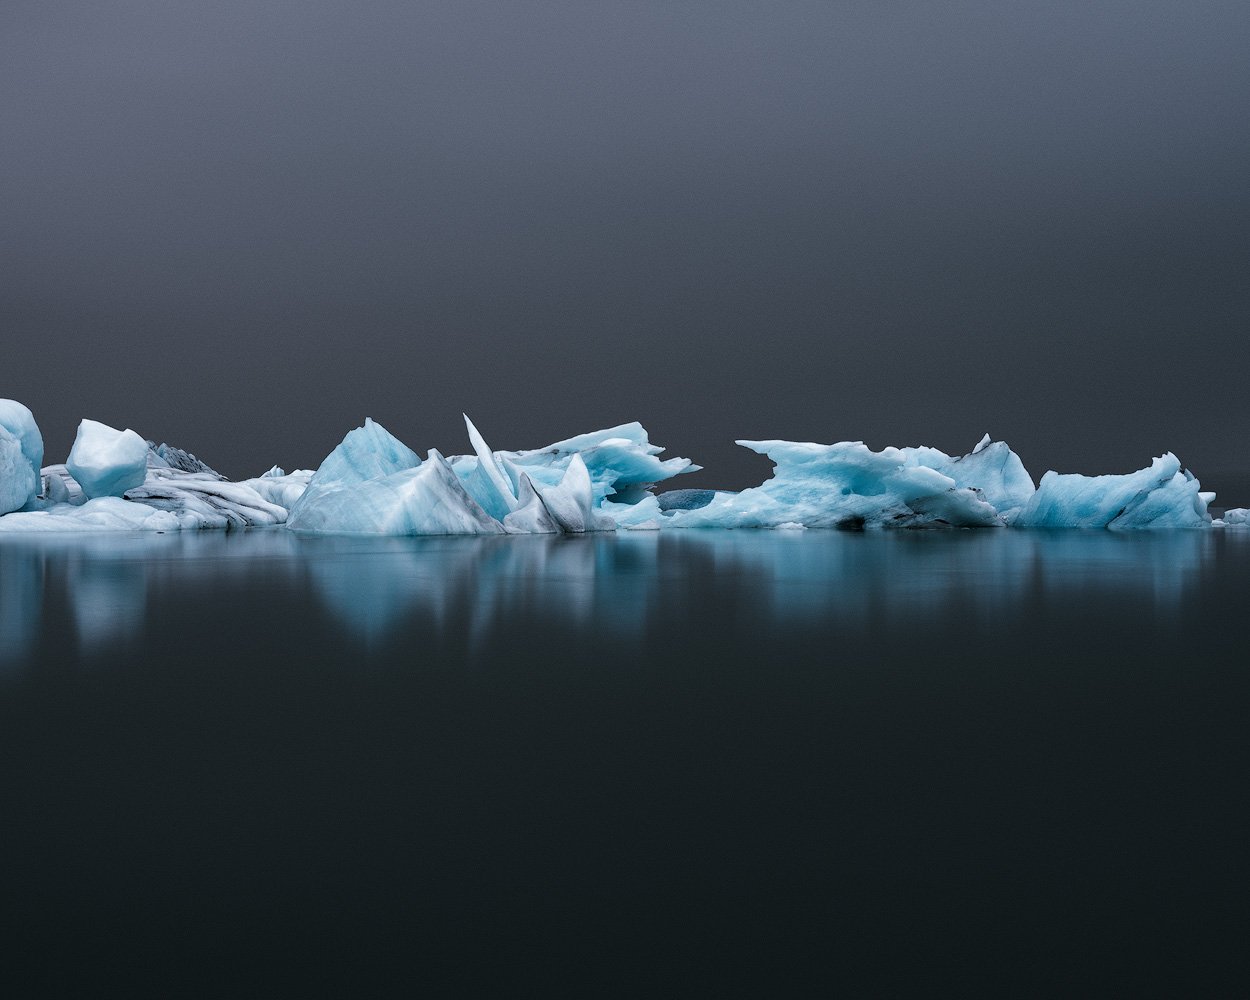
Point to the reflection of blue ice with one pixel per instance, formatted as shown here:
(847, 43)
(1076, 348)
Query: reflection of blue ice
(617, 586)
(619, 582)
(108, 599)
(923, 574)
(372, 585)
(21, 598)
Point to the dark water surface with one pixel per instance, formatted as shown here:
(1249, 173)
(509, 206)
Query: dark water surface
(634, 763)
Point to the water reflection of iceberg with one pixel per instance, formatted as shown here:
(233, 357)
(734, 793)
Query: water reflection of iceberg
(614, 587)
(621, 583)
(108, 600)
(926, 575)
(21, 602)
(372, 585)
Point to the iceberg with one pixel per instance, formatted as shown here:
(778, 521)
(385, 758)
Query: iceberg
(100, 514)
(21, 455)
(18, 481)
(621, 461)
(366, 453)
(850, 486)
(373, 483)
(281, 488)
(1162, 495)
(991, 468)
(202, 500)
(107, 462)
(1237, 517)
(428, 499)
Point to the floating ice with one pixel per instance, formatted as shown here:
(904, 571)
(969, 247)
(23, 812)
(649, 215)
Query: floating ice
(426, 500)
(201, 500)
(621, 462)
(107, 462)
(102, 514)
(366, 453)
(21, 455)
(18, 482)
(1160, 496)
(991, 468)
(59, 487)
(848, 485)
(372, 483)
(280, 487)
(1238, 517)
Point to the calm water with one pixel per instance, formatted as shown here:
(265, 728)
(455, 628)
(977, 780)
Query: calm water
(659, 765)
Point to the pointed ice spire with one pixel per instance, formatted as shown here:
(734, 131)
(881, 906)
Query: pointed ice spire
(488, 465)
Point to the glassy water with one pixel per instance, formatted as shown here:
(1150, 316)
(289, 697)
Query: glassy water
(637, 762)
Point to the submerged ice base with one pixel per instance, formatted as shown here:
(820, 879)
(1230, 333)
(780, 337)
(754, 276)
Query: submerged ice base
(372, 483)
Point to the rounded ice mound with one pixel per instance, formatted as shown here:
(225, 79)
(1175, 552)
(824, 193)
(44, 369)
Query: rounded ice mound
(21, 456)
(20, 422)
(107, 462)
(17, 483)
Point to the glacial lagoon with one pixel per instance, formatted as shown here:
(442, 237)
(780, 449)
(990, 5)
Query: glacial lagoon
(660, 744)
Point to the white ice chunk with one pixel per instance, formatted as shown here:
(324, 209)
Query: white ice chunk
(426, 500)
(107, 462)
(201, 500)
(992, 469)
(486, 481)
(844, 485)
(1237, 517)
(21, 455)
(18, 481)
(20, 422)
(531, 516)
(620, 460)
(102, 514)
(572, 503)
(1161, 496)
(60, 487)
(365, 453)
(645, 515)
(368, 452)
(283, 489)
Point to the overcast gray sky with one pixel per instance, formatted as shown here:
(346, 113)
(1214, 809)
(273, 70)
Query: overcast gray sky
(242, 227)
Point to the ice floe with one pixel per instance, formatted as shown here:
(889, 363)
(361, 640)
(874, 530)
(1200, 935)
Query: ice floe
(373, 483)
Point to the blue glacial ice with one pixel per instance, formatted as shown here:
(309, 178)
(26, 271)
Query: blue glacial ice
(107, 462)
(21, 456)
(373, 483)
(848, 485)
(1237, 517)
(1161, 496)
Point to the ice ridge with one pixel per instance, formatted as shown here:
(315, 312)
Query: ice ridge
(373, 483)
